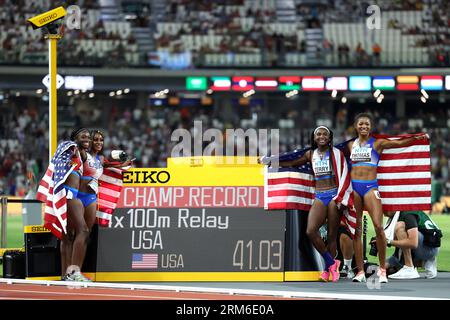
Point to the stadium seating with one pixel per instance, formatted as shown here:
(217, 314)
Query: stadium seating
(407, 35)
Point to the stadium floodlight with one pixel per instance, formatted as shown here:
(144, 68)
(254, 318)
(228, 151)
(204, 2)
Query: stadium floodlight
(432, 82)
(360, 83)
(336, 83)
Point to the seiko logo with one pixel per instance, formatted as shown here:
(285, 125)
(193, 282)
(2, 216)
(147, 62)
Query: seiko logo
(47, 18)
(39, 229)
(146, 176)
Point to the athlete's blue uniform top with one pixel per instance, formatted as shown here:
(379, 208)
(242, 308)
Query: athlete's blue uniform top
(322, 168)
(365, 155)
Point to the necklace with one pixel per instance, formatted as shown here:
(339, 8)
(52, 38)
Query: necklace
(321, 154)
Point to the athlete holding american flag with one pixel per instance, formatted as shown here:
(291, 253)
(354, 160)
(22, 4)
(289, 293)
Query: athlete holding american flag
(64, 213)
(332, 191)
(365, 153)
(101, 182)
(69, 189)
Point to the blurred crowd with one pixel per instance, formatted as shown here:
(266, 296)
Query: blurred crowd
(23, 146)
(146, 134)
(21, 45)
(241, 27)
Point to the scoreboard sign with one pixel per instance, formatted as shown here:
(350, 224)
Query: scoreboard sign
(205, 223)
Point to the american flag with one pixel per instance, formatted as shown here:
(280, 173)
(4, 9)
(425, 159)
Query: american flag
(289, 188)
(293, 188)
(51, 191)
(144, 261)
(404, 176)
(110, 186)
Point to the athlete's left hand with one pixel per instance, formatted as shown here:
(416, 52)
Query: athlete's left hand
(422, 136)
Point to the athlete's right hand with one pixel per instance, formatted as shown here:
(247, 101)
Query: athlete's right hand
(264, 160)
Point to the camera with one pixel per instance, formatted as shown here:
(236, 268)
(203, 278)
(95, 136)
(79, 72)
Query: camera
(373, 247)
(119, 155)
(48, 19)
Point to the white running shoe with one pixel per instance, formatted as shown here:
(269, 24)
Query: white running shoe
(360, 277)
(77, 276)
(347, 272)
(405, 273)
(350, 274)
(431, 268)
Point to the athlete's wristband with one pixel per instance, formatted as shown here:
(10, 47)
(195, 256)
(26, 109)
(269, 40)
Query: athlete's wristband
(389, 242)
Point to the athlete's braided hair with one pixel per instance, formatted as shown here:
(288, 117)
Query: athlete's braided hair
(75, 132)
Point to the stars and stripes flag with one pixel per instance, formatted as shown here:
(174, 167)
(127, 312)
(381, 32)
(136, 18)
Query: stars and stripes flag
(404, 175)
(289, 188)
(293, 188)
(144, 261)
(51, 191)
(404, 179)
(110, 186)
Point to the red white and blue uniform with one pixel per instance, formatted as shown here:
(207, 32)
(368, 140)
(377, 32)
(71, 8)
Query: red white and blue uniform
(92, 170)
(323, 169)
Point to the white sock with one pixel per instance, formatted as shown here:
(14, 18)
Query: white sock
(408, 267)
(348, 263)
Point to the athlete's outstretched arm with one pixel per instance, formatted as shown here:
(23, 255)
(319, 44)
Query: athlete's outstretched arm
(387, 144)
(297, 162)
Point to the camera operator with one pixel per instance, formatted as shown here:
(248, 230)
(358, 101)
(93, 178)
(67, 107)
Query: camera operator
(418, 238)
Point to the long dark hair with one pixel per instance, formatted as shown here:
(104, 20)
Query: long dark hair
(93, 133)
(364, 115)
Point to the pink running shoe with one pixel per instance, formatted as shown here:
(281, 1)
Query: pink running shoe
(381, 273)
(324, 276)
(334, 270)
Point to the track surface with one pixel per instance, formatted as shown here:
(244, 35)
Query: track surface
(42, 292)
(17, 289)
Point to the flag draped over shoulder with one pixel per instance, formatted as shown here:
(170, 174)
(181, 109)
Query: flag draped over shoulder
(293, 188)
(51, 191)
(344, 197)
(404, 175)
(110, 186)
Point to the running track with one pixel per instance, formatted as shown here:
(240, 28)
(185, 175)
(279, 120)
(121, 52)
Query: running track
(19, 291)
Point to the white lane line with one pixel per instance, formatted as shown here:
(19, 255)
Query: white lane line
(93, 294)
(11, 298)
(230, 291)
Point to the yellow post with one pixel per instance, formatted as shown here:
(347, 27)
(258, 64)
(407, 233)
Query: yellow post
(53, 95)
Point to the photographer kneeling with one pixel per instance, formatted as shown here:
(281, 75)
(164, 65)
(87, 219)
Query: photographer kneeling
(419, 239)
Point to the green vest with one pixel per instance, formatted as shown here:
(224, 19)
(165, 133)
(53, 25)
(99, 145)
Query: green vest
(424, 221)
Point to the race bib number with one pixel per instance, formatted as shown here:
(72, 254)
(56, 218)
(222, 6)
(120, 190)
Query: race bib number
(361, 154)
(322, 167)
